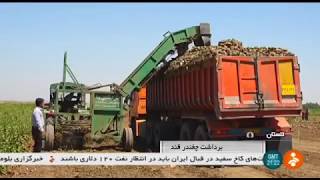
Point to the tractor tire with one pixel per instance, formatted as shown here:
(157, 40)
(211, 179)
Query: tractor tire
(127, 139)
(49, 136)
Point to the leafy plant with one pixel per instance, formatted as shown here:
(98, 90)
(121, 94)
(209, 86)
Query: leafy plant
(15, 127)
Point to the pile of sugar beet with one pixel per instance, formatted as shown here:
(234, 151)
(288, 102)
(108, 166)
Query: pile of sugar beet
(229, 47)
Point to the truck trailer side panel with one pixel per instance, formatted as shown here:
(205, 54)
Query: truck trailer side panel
(230, 87)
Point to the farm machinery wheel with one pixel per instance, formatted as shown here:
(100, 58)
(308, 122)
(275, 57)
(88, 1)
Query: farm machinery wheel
(127, 139)
(49, 135)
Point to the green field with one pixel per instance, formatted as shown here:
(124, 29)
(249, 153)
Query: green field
(314, 114)
(314, 111)
(15, 127)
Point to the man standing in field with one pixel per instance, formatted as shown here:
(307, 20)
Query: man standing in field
(38, 125)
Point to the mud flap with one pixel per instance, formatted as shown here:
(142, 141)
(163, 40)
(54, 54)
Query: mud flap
(282, 144)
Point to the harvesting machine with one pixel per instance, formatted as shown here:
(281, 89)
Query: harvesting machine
(79, 115)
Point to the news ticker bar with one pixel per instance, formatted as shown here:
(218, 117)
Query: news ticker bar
(171, 153)
(233, 159)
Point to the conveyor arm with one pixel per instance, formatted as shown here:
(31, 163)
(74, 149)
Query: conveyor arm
(179, 40)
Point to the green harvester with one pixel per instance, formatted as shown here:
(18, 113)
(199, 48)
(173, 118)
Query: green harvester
(79, 115)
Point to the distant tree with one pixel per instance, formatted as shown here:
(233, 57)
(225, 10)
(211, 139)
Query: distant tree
(311, 105)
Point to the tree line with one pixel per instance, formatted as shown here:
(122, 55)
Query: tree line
(311, 105)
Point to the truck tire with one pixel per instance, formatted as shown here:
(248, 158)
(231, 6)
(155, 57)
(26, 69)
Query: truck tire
(281, 145)
(149, 136)
(127, 139)
(186, 131)
(156, 136)
(133, 126)
(201, 134)
(49, 135)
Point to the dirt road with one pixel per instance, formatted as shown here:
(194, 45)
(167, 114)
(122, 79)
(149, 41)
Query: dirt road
(306, 139)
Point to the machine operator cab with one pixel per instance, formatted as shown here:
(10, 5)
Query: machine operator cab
(70, 98)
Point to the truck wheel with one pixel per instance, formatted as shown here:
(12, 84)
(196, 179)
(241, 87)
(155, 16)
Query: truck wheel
(282, 144)
(49, 135)
(201, 134)
(133, 126)
(285, 144)
(186, 132)
(157, 136)
(127, 139)
(149, 136)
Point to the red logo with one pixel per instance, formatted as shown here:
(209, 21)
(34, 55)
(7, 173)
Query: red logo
(293, 159)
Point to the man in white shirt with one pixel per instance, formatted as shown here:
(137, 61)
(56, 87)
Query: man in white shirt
(38, 125)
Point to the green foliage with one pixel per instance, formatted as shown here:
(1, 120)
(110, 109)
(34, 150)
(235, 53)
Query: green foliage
(15, 127)
(314, 108)
(2, 169)
(311, 105)
(315, 111)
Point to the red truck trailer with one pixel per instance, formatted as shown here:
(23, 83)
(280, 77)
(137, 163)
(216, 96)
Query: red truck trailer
(223, 98)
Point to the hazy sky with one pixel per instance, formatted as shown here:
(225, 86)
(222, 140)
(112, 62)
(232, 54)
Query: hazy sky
(105, 41)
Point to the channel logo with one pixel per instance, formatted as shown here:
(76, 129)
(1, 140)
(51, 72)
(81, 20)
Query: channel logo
(293, 159)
